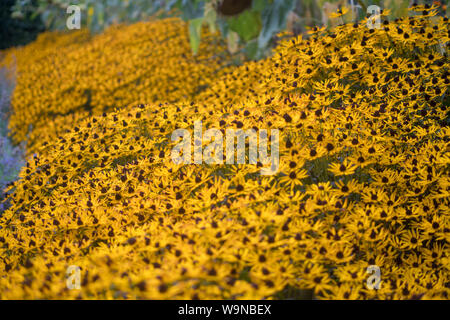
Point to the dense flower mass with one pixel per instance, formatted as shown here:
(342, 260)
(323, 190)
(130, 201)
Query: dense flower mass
(62, 79)
(363, 178)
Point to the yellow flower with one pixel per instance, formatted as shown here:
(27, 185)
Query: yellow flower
(341, 12)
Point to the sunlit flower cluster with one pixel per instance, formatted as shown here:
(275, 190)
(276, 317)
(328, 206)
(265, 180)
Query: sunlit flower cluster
(363, 180)
(62, 81)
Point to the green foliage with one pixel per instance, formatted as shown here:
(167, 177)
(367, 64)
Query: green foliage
(195, 28)
(250, 31)
(14, 32)
(247, 25)
(264, 19)
(190, 9)
(95, 14)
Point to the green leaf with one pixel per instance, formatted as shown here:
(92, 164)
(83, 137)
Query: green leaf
(195, 28)
(252, 50)
(210, 16)
(259, 5)
(247, 25)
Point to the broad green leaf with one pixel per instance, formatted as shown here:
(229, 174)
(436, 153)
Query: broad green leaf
(259, 5)
(210, 16)
(247, 25)
(252, 50)
(195, 29)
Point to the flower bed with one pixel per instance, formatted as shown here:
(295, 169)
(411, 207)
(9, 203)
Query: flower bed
(363, 180)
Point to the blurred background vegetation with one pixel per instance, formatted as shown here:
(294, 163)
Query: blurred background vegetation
(15, 32)
(247, 25)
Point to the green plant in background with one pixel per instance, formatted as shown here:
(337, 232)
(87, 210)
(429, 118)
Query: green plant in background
(254, 26)
(96, 14)
(249, 26)
(15, 32)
